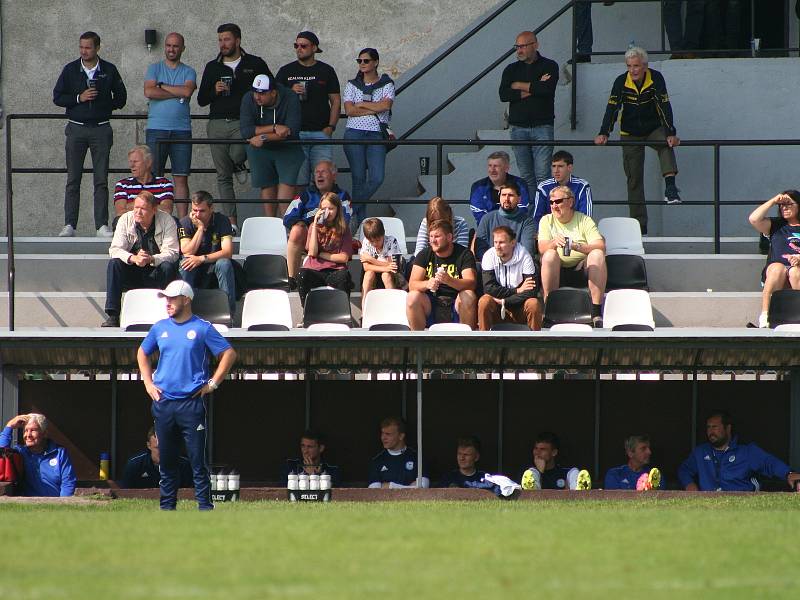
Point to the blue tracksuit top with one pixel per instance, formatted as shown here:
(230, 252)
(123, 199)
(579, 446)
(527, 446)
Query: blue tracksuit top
(541, 201)
(731, 470)
(47, 474)
(303, 207)
(625, 478)
(481, 199)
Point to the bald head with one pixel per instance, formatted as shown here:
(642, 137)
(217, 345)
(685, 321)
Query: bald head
(526, 46)
(173, 47)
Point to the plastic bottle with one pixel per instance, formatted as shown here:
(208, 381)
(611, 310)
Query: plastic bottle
(105, 466)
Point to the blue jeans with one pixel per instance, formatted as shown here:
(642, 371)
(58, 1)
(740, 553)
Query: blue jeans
(533, 162)
(222, 270)
(314, 154)
(180, 155)
(366, 167)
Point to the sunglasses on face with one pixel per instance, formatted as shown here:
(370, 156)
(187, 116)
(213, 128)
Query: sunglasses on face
(304, 46)
(557, 200)
(363, 61)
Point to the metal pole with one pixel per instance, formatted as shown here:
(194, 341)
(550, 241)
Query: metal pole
(404, 396)
(573, 115)
(10, 225)
(438, 169)
(114, 425)
(663, 37)
(419, 415)
(786, 13)
(695, 394)
(500, 420)
(717, 243)
(597, 398)
(308, 391)
(794, 418)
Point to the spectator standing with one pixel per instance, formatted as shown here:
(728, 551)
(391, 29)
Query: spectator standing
(641, 94)
(329, 246)
(225, 81)
(783, 261)
(368, 99)
(317, 86)
(511, 215)
(684, 35)
(142, 470)
(48, 468)
(636, 474)
(484, 196)
(529, 86)
(395, 466)
(168, 86)
(380, 257)
(439, 210)
(90, 88)
(561, 168)
(270, 115)
(140, 162)
(206, 239)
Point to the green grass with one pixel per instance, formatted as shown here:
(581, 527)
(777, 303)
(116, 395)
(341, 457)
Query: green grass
(741, 547)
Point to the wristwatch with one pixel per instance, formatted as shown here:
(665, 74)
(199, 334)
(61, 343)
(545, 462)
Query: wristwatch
(212, 385)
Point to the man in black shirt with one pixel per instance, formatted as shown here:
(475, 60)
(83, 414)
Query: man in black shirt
(529, 86)
(467, 474)
(225, 81)
(206, 239)
(442, 283)
(317, 86)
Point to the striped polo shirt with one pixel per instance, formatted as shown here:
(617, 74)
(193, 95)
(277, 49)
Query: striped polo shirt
(127, 189)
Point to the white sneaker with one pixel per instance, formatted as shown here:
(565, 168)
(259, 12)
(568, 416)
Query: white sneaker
(105, 231)
(763, 323)
(68, 231)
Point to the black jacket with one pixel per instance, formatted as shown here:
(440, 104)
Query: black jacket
(111, 93)
(643, 110)
(538, 108)
(227, 107)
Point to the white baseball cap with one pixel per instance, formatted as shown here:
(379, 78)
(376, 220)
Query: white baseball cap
(262, 83)
(177, 288)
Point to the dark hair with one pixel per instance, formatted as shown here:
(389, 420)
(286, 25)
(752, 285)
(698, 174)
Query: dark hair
(469, 441)
(511, 186)
(724, 416)
(438, 208)
(548, 437)
(396, 421)
(794, 195)
(562, 155)
(373, 228)
(373, 54)
(201, 196)
(91, 35)
(313, 434)
(441, 225)
(504, 229)
(634, 440)
(232, 28)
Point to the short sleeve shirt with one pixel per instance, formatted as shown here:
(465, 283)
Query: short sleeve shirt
(172, 113)
(390, 248)
(459, 261)
(580, 228)
(127, 189)
(320, 80)
(345, 245)
(220, 227)
(184, 355)
(784, 241)
(368, 122)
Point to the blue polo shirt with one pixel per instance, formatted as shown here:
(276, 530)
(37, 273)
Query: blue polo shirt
(185, 351)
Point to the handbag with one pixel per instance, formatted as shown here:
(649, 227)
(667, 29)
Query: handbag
(11, 468)
(388, 134)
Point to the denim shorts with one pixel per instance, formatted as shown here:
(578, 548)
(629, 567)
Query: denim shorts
(180, 155)
(271, 166)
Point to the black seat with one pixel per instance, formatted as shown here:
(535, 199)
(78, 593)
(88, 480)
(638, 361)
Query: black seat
(389, 327)
(212, 305)
(568, 305)
(326, 305)
(626, 272)
(266, 272)
(784, 308)
(632, 327)
(510, 327)
(268, 327)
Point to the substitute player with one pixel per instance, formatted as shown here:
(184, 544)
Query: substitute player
(178, 387)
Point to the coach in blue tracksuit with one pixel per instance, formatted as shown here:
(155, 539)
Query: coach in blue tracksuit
(178, 387)
(723, 464)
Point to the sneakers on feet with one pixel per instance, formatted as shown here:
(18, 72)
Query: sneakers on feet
(671, 195)
(292, 284)
(584, 480)
(531, 480)
(67, 231)
(597, 322)
(104, 231)
(111, 321)
(240, 171)
(763, 320)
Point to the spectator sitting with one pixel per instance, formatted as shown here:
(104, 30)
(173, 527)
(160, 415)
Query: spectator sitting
(723, 464)
(438, 210)
(301, 211)
(270, 114)
(144, 253)
(142, 470)
(396, 465)
(380, 257)
(572, 249)
(442, 283)
(140, 162)
(511, 215)
(329, 246)
(783, 262)
(561, 168)
(468, 453)
(636, 474)
(48, 469)
(312, 446)
(484, 196)
(206, 239)
(546, 474)
(509, 283)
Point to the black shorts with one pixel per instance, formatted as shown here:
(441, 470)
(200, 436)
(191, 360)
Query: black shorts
(572, 278)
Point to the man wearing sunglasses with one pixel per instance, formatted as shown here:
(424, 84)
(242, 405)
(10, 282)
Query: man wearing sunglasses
(317, 88)
(573, 251)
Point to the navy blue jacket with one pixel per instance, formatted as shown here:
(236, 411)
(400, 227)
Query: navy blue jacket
(731, 470)
(111, 93)
(456, 479)
(388, 468)
(303, 207)
(141, 472)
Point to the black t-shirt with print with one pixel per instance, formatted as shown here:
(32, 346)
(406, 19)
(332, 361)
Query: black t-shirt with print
(455, 264)
(321, 80)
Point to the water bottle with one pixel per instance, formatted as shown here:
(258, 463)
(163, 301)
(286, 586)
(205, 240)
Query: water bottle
(302, 482)
(313, 482)
(105, 466)
(292, 483)
(233, 481)
(324, 482)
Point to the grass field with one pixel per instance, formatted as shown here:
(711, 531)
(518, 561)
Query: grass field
(743, 547)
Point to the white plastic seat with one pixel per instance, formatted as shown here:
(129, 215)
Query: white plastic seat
(385, 307)
(266, 310)
(393, 227)
(628, 308)
(623, 235)
(581, 327)
(263, 235)
(788, 327)
(141, 308)
(450, 327)
(328, 327)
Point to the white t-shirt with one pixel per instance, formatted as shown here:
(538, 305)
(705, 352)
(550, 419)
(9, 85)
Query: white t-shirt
(368, 122)
(390, 248)
(232, 64)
